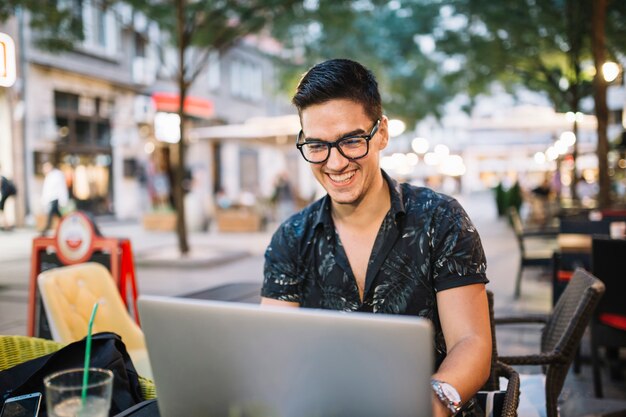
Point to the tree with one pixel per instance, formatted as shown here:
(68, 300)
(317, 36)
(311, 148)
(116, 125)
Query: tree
(382, 35)
(195, 29)
(545, 45)
(542, 45)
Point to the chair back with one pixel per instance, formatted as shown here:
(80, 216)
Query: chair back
(498, 369)
(493, 382)
(607, 263)
(518, 228)
(69, 293)
(566, 325)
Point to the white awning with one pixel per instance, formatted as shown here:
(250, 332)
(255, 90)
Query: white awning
(255, 128)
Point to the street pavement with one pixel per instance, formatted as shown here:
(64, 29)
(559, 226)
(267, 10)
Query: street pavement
(221, 258)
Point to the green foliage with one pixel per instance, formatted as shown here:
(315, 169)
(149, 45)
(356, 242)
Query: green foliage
(211, 25)
(58, 28)
(377, 35)
(543, 45)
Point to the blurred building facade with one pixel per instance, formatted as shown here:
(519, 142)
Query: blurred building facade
(506, 139)
(98, 112)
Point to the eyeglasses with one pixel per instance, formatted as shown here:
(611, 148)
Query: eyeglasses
(351, 147)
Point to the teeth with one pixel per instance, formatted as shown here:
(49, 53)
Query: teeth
(341, 177)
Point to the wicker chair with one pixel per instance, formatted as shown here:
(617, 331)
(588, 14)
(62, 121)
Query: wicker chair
(17, 349)
(561, 335)
(499, 369)
(536, 247)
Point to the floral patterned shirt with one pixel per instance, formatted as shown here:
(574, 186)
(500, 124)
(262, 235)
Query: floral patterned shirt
(425, 244)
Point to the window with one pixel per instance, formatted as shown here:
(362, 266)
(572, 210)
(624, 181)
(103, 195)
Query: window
(140, 45)
(213, 71)
(100, 28)
(246, 80)
(65, 101)
(82, 121)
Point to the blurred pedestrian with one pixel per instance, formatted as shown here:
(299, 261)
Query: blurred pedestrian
(222, 199)
(541, 213)
(54, 194)
(283, 198)
(379, 246)
(7, 189)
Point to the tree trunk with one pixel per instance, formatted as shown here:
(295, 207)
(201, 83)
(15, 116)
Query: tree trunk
(179, 192)
(575, 38)
(602, 114)
(573, 191)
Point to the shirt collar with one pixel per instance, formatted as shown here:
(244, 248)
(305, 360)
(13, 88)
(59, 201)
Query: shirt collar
(397, 205)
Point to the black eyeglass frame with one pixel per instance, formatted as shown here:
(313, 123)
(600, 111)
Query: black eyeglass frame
(335, 144)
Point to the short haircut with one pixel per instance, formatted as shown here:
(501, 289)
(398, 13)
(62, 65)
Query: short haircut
(337, 79)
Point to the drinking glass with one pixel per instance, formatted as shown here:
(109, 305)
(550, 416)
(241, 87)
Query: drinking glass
(64, 390)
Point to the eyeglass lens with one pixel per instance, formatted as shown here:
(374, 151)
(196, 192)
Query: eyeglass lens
(352, 148)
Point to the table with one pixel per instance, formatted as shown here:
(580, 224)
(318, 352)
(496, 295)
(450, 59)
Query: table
(242, 292)
(574, 242)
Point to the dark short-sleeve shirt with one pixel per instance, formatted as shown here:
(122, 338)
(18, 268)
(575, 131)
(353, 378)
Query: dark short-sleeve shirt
(425, 244)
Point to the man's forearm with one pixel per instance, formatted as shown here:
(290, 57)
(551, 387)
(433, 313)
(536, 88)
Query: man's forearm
(466, 366)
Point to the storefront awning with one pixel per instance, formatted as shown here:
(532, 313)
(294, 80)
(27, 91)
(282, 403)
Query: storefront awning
(193, 106)
(255, 128)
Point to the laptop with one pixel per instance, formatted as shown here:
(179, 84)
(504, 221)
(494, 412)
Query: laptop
(216, 358)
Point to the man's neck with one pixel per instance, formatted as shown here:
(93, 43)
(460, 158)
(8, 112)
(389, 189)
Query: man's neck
(374, 205)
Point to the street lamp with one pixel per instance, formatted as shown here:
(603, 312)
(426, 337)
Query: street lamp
(420, 145)
(610, 71)
(568, 138)
(396, 127)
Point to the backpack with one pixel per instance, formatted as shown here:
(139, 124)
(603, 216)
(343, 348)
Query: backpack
(8, 187)
(107, 351)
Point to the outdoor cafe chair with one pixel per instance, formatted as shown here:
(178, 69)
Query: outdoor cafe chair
(499, 370)
(536, 247)
(68, 294)
(560, 336)
(608, 327)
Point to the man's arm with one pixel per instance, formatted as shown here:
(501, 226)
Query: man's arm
(277, 303)
(464, 316)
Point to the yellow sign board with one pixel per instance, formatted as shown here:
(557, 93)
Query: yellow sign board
(7, 61)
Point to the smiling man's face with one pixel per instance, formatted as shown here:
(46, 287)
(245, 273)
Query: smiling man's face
(345, 181)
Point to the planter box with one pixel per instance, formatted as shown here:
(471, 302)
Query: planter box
(238, 220)
(162, 221)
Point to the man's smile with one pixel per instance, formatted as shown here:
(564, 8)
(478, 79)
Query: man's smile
(341, 178)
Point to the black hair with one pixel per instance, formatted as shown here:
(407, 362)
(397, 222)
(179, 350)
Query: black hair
(339, 79)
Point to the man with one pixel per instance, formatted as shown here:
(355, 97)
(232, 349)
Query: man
(374, 245)
(7, 189)
(54, 194)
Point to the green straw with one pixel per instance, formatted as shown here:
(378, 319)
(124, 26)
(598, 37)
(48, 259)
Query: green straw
(83, 394)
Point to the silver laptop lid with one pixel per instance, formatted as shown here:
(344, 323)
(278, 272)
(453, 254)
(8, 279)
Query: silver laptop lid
(213, 358)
